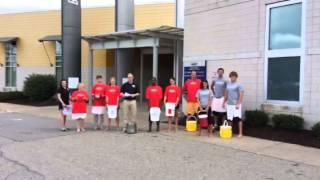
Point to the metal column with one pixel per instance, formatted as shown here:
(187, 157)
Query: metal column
(141, 76)
(90, 73)
(155, 62)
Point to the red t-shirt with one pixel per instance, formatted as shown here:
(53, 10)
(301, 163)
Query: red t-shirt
(99, 89)
(154, 95)
(79, 99)
(192, 86)
(113, 95)
(172, 93)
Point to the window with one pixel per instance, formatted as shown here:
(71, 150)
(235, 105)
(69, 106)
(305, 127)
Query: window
(11, 64)
(284, 51)
(58, 61)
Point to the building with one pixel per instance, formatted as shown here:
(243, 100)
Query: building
(274, 45)
(31, 42)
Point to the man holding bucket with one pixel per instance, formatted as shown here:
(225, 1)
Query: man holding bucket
(154, 95)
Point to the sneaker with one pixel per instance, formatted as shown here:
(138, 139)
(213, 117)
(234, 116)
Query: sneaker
(78, 130)
(63, 129)
(83, 130)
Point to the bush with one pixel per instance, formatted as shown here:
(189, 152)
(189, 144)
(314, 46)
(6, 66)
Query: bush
(40, 87)
(316, 130)
(285, 121)
(256, 118)
(7, 96)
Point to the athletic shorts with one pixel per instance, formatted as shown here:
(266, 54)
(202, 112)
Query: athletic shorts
(233, 112)
(192, 108)
(76, 116)
(217, 105)
(98, 110)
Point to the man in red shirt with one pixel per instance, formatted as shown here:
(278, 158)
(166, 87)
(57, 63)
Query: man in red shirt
(191, 87)
(172, 97)
(98, 102)
(79, 101)
(154, 95)
(112, 100)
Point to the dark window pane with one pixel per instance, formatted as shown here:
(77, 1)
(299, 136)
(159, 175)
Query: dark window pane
(283, 78)
(285, 27)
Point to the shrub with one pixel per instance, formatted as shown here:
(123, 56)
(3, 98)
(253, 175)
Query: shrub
(285, 121)
(316, 130)
(256, 118)
(7, 96)
(40, 87)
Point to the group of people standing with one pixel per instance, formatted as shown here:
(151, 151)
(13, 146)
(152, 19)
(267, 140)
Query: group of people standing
(223, 100)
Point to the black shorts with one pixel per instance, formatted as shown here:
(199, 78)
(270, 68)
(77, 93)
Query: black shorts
(219, 114)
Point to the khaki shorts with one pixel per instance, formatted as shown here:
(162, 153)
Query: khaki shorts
(192, 108)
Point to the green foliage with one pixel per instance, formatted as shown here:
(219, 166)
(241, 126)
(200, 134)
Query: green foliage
(40, 87)
(7, 96)
(316, 130)
(256, 118)
(290, 122)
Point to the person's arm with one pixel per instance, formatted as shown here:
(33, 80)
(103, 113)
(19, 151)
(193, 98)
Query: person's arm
(178, 95)
(165, 95)
(225, 99)
(212, 86)
(198, 98)
(185, 91)
(60, 99)
(241, 94)
(210, 100)
(122, 91)
(137, 93)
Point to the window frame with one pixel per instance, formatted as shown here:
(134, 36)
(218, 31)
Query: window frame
(12, 64)
(293, 52)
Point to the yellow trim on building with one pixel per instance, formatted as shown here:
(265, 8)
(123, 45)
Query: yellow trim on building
(31, 26)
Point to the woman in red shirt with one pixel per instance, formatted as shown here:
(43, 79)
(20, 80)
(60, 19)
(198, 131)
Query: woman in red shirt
(171, 101)
(79, 99)
(154, 95)
(112, 101)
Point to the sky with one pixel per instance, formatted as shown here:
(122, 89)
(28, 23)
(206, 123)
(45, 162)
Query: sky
(16, 6)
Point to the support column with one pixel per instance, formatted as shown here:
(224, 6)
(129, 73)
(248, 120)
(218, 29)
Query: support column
(90, 73)
(141, 77)
(155, 61)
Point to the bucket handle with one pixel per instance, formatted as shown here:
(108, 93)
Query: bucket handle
(191, 118)
(225, 123)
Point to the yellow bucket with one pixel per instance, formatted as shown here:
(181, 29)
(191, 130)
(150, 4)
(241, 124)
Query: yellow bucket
(225, 131)
(191, 124)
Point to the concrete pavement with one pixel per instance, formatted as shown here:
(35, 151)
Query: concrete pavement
(32, 147)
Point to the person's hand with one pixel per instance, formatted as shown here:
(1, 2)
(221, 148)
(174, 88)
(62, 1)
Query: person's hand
(207, 109)
(64, 105)
(224, 105)
(238, 106)
(97, 96)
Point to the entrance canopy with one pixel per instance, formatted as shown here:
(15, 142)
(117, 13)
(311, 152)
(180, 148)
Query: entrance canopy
(155, 38)
(7, 39)
(159, 36)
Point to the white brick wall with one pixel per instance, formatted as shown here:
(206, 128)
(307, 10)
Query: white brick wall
(231, 34)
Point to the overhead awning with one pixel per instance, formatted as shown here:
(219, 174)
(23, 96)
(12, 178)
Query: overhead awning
(51, 38)
(7, 39)
(159, 36)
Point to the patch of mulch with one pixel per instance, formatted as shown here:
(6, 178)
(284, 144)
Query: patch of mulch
(29, 102)
(300, 137)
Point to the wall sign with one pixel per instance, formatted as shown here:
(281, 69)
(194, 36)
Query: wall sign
(200, 67)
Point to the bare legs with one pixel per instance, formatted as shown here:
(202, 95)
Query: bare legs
(97, 124)
(63, 121)
(80, 125)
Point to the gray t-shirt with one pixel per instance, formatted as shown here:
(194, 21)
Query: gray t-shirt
(219, 87)
(234, 90)
(204, 95)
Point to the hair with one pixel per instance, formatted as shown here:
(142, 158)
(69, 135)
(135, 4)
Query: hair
(233, 74)
(60, 85)
(173, 78)
(130, 74)
(221, 69)
(202, 86)
(98, 77)
(111, 79)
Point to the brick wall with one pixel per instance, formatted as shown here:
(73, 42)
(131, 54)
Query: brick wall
(231, 34)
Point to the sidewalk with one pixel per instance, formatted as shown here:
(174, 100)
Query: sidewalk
(285, 151)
